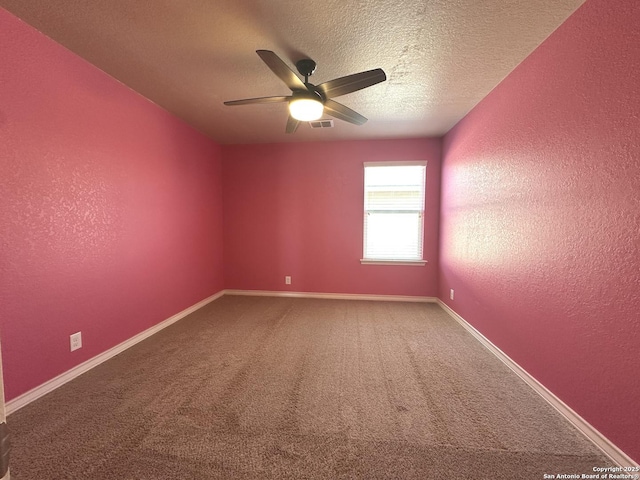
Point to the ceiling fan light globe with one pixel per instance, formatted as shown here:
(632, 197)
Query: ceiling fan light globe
(306, 109)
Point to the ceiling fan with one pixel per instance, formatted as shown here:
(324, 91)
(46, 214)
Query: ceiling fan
(307, 101)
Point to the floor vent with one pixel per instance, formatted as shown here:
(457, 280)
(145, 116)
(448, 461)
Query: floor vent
(322, 124)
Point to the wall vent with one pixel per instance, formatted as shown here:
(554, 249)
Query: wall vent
(321, 124)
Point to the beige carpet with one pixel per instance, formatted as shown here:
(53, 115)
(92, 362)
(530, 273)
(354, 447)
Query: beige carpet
(275, 388)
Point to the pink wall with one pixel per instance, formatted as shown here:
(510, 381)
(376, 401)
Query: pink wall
(540, 217)
(296, 209)
(111, 210)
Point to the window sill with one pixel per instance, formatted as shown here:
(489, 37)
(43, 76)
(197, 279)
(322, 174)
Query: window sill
(413, 263)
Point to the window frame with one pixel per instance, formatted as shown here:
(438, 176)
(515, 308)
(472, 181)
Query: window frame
(377, 261)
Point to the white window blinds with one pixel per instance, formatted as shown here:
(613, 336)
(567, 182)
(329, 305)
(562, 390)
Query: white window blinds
(394, 211)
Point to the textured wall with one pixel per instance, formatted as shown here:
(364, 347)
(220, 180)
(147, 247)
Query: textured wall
(111, 210)
(296, 209)
(540, 217)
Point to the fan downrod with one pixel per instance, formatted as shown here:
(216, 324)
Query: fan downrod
(306, 67)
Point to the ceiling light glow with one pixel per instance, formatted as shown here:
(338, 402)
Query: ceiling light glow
(306, 109)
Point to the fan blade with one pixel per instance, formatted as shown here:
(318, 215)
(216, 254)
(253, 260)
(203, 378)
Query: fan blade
(248, 101)
(281, 69)
(292, 124)
(341, 112)
(352, 83)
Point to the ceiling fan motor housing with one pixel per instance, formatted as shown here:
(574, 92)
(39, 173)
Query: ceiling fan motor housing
(311, 94)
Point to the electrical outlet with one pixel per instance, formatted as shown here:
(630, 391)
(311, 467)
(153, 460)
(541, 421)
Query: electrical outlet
(76, 341)
(287, 280)
(451, 294)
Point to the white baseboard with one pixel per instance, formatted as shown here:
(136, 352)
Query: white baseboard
(333, 296)
(598, 439)
(37, 392)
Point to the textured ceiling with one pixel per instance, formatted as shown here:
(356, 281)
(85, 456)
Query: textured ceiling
(441, 56)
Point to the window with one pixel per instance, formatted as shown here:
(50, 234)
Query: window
(394, 212)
